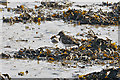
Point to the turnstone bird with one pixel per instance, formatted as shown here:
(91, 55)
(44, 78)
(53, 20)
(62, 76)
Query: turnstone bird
(67, 40)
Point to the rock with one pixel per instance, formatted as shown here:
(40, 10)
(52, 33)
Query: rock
(5, 56)
(21, 73)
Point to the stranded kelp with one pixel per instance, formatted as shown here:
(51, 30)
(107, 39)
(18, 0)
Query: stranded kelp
(38, 13)
(5, 77)
(95, 49)
(78, 17)
(90, 17)
(105, 74)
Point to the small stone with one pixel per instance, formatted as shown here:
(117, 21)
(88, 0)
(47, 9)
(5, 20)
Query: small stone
(26, 71)
(26, 27)
(21, 73)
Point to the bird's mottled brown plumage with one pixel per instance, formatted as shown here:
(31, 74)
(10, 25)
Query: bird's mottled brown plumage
(65, 39)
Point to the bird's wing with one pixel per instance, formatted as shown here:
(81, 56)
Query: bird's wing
(70, 40)
(66, 40)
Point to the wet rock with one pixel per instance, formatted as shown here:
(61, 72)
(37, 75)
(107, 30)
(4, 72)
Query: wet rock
(21, 40)
(4, 77)
(21, 73)
(5, 56)
(7, 47)
(26, 71)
